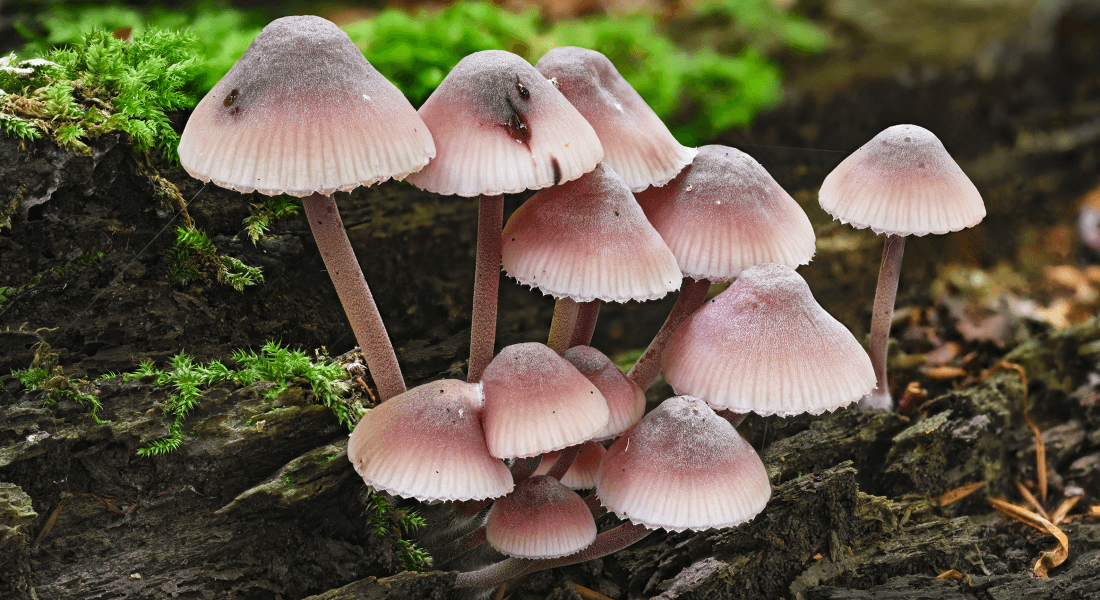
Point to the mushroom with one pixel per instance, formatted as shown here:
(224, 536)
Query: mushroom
(721, 215)
(303, 113)
(584, 240)
(541, 518)
(683, 467)
(428, 444)
(500, 128)
(902, 182)
(636, 144)
(765, 345)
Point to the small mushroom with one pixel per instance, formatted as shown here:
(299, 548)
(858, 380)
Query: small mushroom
(902, 182)
(541, 518)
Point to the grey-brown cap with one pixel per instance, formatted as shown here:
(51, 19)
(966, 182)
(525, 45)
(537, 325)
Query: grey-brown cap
(635, 141)
(902, 182)
(500, 127)
(303, 112)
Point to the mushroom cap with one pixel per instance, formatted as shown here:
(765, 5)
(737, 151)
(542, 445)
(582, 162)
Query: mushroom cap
(541, 518)
(588, 239)
(302, 112)
(724, 213)
(536, 402)
(765, 345)
(683, 467)
(902, 182)
(625, 400)
(583, 473)
(501, 127)
(427, 444)
(635, 141)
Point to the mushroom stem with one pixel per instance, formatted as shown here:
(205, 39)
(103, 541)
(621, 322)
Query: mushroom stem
(564, 461)
(608, 542)
(885, 294)
(525, 467)
(351, 287)
(483, 332)
(586, 324)
(459, 546)
(563, 325)
(692, 294)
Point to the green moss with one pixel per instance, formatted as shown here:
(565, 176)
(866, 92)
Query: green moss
(273, 363)
(98, 85)
(46, 375)
(194, 257)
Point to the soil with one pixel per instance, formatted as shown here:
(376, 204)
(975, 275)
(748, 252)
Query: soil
(260, 501)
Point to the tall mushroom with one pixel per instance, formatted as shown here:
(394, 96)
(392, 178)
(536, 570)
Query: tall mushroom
(303, 113)
(902, 182)
(500, 128)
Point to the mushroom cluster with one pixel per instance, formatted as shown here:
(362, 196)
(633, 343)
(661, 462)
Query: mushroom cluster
(536, 425)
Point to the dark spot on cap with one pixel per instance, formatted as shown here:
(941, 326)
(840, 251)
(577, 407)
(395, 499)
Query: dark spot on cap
(523, 93)
(232, 97)
(616, 213)
(557, 170)
(516, 125)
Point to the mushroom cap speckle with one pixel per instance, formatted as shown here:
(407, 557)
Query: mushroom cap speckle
(765, 345)
(625, 400)
(635, 141)
(683, 467)
(725, 213)
(588, 239)
(902, 182)
(301, 112)
(427, 443)
(500, 128)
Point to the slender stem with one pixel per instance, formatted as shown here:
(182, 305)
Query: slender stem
(606, 543)
(524, 468)
(459, 546)
(564, 461)
(561, 328)
(692, 294)
(885, 294)
(586, 324)
(733, 418)
(483, 332)
(351, 287)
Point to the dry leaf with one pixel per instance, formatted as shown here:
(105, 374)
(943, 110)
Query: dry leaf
(1031, 501)
(958, 493)
(588, 594)
(944, 373)
(1050, 558)
(953, 574)
(1094, 511)
(1059, 515)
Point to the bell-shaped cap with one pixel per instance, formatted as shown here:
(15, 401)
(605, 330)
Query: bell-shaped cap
(584, 471)
(625, 400)
(724, 213)
(765, 345)
(302, 112)
(500, 127)
(683, 467)
(536, 402)
(427, 444)
(541, 518)
(635, 141)
(588, 239)
(902, 182)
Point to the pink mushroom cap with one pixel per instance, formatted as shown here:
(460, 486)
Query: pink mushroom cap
(724, 213)
(584, 472)
(625, 400)
(588, 239)
(635, 141)
(541, 518)
(301, 112)
(902, 182)
(536, 402)
(765, 345)
(500, 127)
(427, 444)
(683, 467)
